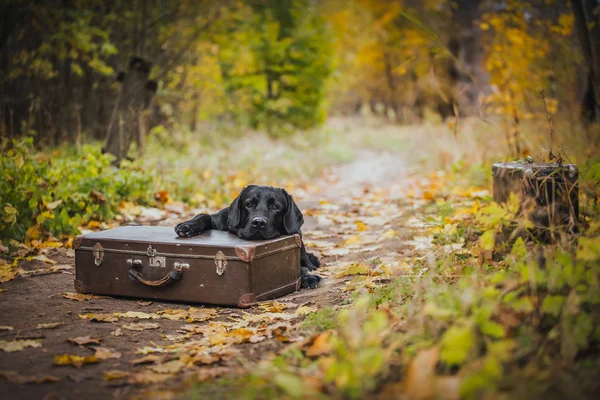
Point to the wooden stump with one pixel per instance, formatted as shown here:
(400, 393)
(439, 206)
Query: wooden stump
(549, 193)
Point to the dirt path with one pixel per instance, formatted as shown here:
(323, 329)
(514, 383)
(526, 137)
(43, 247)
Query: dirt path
(354, 217)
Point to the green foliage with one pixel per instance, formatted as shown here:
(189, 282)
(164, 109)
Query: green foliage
(42, 195)
(287, 59)
(321, 320)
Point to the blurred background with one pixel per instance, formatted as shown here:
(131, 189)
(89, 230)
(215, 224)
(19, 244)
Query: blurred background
(195, 99)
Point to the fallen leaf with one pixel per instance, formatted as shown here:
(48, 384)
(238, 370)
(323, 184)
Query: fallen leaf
(7, 272)
(273, 306)
(18, 345)
(99, 317)
(352, 240)
(83, 340)
(104, 353)
(149, 350)
(136, 314)
(49, 326)
(150, 359)
(279, 333)
(320, 345)
(77, 296)
(390, 233)
(140, 326)
(76, 361)
(170, 367)
(18, 379)
(360, 226)
(256, 338)
(62, 267)
(6, 328)
(115, 374)
(305, 310)
(45, 259)
(417, 383)
(354, 269)
(144, 303)
(147, 377)
(268, 317)
(117, 332)
(200, 314)
(3, 248)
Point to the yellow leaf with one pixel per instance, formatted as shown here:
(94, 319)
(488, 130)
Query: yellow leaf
(360, 226)
(49, 326)
(104, 353)
(99, 317)
(136, 314)
(82, 340)
(76, 296)
(320, 345)
(7, 272)
(354, 239)
(304, 310)
(18, 345)
(115, 374)
(76, 361)
(390, 233)
(355, 269)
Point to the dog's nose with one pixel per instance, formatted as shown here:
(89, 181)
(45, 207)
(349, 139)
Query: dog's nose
(259, 222)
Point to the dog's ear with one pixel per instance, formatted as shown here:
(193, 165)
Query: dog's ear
(293, 218)
(235, 209)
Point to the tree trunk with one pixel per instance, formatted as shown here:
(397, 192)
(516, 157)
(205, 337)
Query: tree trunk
(135, 96)
(468, 72)
(588, 32)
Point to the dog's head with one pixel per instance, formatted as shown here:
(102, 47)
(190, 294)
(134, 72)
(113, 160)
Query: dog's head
(264, 212)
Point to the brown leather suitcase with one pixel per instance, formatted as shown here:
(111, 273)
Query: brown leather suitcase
(215, 267)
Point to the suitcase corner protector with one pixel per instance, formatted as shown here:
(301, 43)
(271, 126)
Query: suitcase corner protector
(79, 286)
(247, 300)
(245, 253)
(298, 240)
(77, 242)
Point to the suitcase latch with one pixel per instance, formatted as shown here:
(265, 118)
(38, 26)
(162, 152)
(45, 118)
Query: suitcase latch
(151, 252)
(220, 262)
(98, 252)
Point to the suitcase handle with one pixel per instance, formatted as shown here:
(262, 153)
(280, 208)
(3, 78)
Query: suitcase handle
(174, 275)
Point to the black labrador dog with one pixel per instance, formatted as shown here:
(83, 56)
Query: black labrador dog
(259, 212)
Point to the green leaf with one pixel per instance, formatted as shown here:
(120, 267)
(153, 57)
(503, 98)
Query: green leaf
(487, 240)
(518, 249)
(588, 249)
(553, 305)
(457, 343)
(290, 384)
(492, 329)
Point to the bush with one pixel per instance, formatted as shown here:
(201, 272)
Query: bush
(41, 196)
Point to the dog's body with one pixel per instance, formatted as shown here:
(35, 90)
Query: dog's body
(259, 212)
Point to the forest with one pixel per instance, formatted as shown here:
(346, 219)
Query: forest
(384, 118)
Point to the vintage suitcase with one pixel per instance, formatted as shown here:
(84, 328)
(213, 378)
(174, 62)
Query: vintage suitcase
(215, 267)
(546, 185)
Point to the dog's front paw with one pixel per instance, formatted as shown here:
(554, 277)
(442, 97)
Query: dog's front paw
(314, 260)
(186, 229)
(310, 281)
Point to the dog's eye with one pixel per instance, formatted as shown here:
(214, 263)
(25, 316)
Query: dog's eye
(249, 203)
(274, 207)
